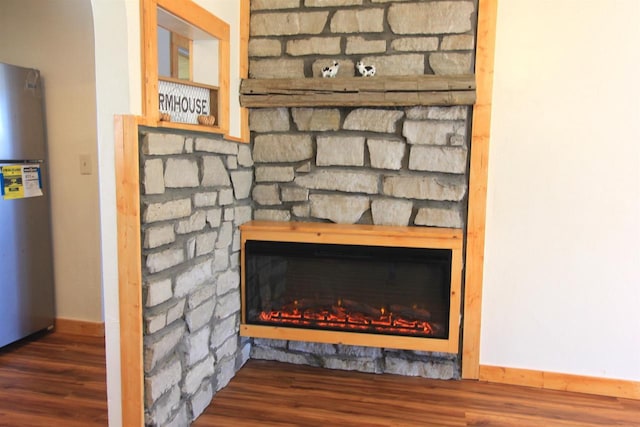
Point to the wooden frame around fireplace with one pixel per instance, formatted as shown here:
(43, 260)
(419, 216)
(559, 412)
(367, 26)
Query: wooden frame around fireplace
(368, 235)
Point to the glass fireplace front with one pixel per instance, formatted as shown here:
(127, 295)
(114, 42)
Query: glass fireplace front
(370, 289)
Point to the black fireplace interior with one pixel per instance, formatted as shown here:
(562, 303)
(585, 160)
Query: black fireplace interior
(370, 289)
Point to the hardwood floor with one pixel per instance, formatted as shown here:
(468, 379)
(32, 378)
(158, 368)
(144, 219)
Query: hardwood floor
(275, 394)
(53, 380)
(59, 380)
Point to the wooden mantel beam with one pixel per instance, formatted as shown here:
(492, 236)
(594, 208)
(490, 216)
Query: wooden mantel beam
(359, 91)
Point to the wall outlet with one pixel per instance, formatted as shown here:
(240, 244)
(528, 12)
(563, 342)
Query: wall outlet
(85, 164)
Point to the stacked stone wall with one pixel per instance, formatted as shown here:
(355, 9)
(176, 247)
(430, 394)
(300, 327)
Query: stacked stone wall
(383, 166)
(195, 193)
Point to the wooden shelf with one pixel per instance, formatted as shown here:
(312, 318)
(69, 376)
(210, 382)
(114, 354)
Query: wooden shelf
(380, 91)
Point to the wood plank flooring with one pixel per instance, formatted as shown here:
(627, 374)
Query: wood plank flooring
(52, 380)
(275, 394)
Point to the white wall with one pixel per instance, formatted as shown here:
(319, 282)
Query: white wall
(562, 265)
(56, 37)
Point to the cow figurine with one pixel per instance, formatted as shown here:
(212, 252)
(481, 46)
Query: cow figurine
(366, 70)
(331, 71)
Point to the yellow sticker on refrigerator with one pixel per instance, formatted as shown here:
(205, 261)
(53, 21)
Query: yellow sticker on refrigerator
(20, 181)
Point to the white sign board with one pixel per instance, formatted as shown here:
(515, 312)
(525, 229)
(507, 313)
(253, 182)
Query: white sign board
(184, 103)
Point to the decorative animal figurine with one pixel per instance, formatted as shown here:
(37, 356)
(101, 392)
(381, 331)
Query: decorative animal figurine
(331, 71)
(366, 70)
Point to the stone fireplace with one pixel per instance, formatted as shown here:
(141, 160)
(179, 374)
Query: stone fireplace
(351, 151)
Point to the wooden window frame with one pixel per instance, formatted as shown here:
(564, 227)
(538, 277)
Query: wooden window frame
(198, 17)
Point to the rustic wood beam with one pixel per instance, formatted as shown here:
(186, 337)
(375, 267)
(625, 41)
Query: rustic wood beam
(358, 91)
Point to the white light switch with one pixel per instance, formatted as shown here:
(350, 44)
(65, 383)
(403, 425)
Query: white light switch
(85, 164)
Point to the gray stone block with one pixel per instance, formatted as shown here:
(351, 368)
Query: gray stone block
(225, 197)
(228, 281)
(266, 194)
(168, 210)
(272, 215)
(269, 119)
(201, 400)
(181, 419)
(197, 374)
(242, 214)
(195, 222)
(153, 176)
(205, 243)
(373, 120)
(276, 68)
(223, 330)
(205, 199)
(266, 353)
(386, 153)
(226, 371)
(162, 260)
(232, 162)
(158, 236)
(391, 212)
(214, 173)
(154, 322)
(244, 156)
(331, 3)
(358, 21)
(224, 235)
(175, 311)
(242, 181)
(214, 217)
(227, 305)
(274, 4)
(200, 316)
(358, 351)
(228, 213)
(351, 182)
(197, 346)
(439, 217)
(216, 146)
(227, 349)
(314, 46)
(441, 188)
(264, 47)
(428, 369)
(458, 42)
(221, 259)
(447, 64)
(158, 291)
(359, 45)
(287, 23)
(340, 151)
(294, 194)
(180, 173)
(339, 209)
(438, 159)
(282, 148)
(430, 132)
(274, 173)
(458, 112)
(159, 346)
(371, 366)
(301, 210)
(156, 144)
(203, 293)
(192, 278)
(162, 381)
(164, 408)
(312, 347)
(316, 119)
(415, 44)
(438, 17)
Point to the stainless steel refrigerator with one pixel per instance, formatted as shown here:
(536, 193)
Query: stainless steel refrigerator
(26, 265)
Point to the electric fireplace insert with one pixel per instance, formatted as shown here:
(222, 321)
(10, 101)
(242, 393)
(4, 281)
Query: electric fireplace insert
(336, 284)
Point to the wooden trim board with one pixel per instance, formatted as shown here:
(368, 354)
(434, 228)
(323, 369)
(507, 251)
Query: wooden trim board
(558, 381)
(478, 175)
(79, 327)
(129, 270)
